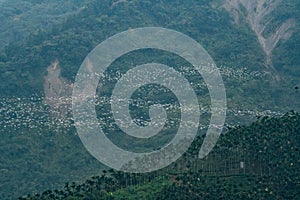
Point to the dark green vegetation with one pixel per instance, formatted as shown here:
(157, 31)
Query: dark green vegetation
(285, 62)
(38, 153)
(269, 149)
(21, 18)
(23, 62)
(72, 40)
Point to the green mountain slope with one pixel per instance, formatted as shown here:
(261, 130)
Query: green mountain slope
(71, 41)
(21, 18)
(46, 151)
(24, 63)
(268, 148)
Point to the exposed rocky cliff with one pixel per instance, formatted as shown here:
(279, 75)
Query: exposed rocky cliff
(57, 90)
(257, 15)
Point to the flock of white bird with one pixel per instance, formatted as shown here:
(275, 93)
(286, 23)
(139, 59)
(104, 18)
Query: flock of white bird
(17, 114)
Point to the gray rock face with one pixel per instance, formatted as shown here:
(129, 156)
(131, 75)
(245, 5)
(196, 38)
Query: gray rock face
(58, 91)
(257, 14)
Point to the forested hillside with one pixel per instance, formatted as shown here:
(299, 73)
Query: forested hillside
(71, 41)
(260, 161)
(19, 19)
(43, 43)
(232, 45)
